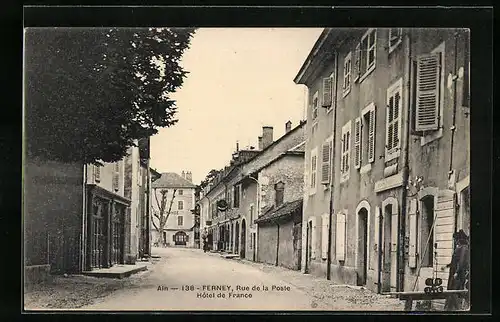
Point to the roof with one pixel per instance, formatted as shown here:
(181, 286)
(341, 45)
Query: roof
(172, 180)
(282, 211)
(277, 158)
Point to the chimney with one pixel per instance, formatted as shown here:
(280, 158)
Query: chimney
(288, 126)
(237, 146)
(189, 176)
(260, 142)
(267, 136)
(183, 175)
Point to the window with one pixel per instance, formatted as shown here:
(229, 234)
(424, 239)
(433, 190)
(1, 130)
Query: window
(180, 192)
(251, 214)
(315, 104)
(180, 205)
(116, 177)
(326, 161)
(180, 220)
(395, 37)
(314, 129)
(426, 232)
(236, 196)
(347, 74)
(393, 121)
(314, 161)
(328, 92)
(427, 114)
(367, 53)
(346, 149)
(279, 190)
(97, 173)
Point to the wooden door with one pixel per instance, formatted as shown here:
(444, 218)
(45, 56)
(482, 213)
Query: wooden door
(117, 235)
(98, 234)
(297, 244)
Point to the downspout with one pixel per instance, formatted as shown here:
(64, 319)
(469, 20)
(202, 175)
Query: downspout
(277, 243)
(84, 219)
(378, 221)
(406, 170)
(332, 175)
(147, 240)
(453, 128)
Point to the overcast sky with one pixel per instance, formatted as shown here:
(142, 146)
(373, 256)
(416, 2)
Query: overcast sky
(240, 80)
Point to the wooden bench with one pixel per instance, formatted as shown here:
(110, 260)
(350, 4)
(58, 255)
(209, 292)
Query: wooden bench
(409, 297)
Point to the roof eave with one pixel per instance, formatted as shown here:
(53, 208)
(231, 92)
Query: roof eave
(301, 78)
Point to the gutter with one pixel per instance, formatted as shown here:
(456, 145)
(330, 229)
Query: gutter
(406, 170)
(453, 128)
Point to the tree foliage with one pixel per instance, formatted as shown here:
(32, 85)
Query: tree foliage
(210, 176)
(90, 93)
(163, 212)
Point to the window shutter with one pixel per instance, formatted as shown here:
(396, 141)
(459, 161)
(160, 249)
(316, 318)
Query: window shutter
(340, 241)
(116, 177)
(390, 126)
(371, 135)
(357, 143)
(396, 121)
(325, 165)
(412, 251)
(327, 91)
(347, 164)
(324, 236)
(357, 62)
(428, 79)
(97, 173)
(314, 238)
(376, 229)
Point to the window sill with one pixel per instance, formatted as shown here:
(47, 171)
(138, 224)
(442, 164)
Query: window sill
(431, 137)
(391, 155)
(366, 168)
(368, 72)
(346, 92)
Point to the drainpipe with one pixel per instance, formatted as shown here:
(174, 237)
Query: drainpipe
(84, 219)
(332, 177)
(277, 243)
(378, 221)
(452, 128)
(406, 171)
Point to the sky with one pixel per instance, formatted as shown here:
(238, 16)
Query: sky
(239, 80)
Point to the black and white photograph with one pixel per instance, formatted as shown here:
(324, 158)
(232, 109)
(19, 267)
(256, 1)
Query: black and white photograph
(246, 169)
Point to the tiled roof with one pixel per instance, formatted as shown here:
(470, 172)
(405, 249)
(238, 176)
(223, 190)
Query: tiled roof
(172, 180)
(284, 210)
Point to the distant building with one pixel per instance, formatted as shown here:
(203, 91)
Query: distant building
(175, 194)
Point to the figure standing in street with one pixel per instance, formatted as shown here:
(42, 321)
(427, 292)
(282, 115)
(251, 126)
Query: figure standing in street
(459, 269)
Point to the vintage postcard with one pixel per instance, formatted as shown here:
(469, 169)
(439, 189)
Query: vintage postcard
(257, 169)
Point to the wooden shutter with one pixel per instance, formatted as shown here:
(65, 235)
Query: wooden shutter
(314, 235)
(396, 121)
(412, 250)
(444, 226)
(97, 173)
(390, 126)
(357, 143)
(376, 229)
(357, 63)
(324, 235)
(348, 147)
(327, 91)
(341, 236)
(116, 177)
(428, 86)
(371, 135)
(325, 164)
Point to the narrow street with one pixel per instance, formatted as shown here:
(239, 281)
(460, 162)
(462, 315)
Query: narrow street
(212, 275)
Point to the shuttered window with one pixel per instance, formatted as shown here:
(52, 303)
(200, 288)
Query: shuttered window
(325, 162)
(346, 148)
(427, 92)
(314, 161)
(314, 236)
(393, 117)
(371, 134)
(340, 237)
(357, 143)
(315, 104)
(327, 92)
(116, 177)
(347, 74)
(357, 63)
(325, 223)
(368, 52)
(395, 37)
(97, 173)
(412, 249)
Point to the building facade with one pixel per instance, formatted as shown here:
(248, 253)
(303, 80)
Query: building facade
(391, 100)
(174, 196)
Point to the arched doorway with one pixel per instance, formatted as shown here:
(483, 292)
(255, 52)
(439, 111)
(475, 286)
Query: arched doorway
(362, 246)
(389, 244)
(180, 238)
(243, 238)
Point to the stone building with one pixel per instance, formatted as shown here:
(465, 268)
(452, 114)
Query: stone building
(391, 100)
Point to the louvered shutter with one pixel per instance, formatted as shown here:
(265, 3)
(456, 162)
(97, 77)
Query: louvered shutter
(348, 147)
(371, 135)
(390, 126)
(314, 235)
(357, 143)
(444, 227)
(116, 177)
(341, 236)
(327, 92)
(357, 62)
(428, 81)
(325, 164)
(97, 173)
(412, 250)
(376, 229)
(396, 121)
(324, 236)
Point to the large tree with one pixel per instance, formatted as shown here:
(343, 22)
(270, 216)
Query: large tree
(91, 92)
(162, 212)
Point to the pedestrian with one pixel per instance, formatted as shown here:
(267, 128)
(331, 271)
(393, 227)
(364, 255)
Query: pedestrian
(205, 244)
(459, 269)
